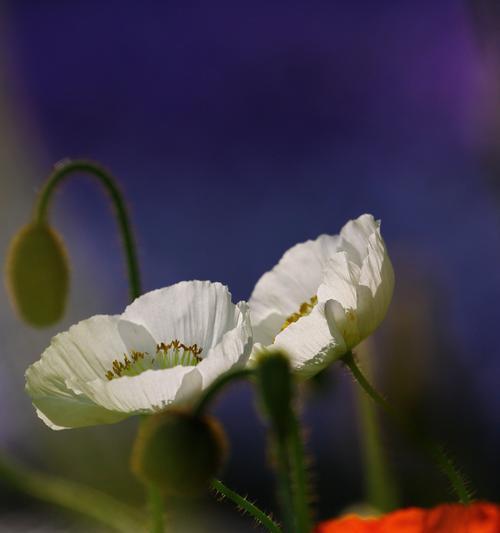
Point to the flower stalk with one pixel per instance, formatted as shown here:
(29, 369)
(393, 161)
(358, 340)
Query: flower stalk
(380, 489)
(435, 452)
(156, 509)
(300, 483)
(68, 168)
(276, 388)
(222, 381)
(246, 506)
(72, 496)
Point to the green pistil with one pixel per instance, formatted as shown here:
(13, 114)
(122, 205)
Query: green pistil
(168, 355)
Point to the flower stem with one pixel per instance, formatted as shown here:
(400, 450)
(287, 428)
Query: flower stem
(381, 490)
(298, 473)
(211, 392)
(246, 506)
(276, 389)
(155, 501)
(279, 449)
(434, 451)
(67, 168)
(69, 495)
(156, 510)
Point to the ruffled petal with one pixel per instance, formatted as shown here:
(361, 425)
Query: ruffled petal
(233, 350)
(294, 280)
(193, 312)
(311, 343)
(149, 392)
(340, 279)
(378, 275)
(59, 407)
(266, 330)
(357, 296)
(136, 337)
(84, 352)
(354, 237)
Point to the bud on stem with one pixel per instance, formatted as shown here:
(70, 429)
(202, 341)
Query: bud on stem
(179, 453)
(37, 274)
(275, 385)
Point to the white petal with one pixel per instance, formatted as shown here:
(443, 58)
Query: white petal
(293, 281)
(87, 350)
(83, 353)
(340, 279)
(357, 298)
(58, 406)
(377, 275)
(150, 391)
(310, 342)
(233, 350)
(136, 337)
(191, 311)
(354, 237)
(266, 330)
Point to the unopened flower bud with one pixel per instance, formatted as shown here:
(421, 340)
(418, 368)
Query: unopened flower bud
(37, 274)
(275, 383)
(178, 452)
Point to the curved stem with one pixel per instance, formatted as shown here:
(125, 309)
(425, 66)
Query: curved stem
(248, 507)
(68, 168)
(212, 391)
(435, 452)
(84, 500)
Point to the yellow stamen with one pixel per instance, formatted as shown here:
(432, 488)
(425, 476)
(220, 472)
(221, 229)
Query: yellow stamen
(304, 309)
(174, 353)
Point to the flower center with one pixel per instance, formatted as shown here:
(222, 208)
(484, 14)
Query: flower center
(168, 355)
(304, 309)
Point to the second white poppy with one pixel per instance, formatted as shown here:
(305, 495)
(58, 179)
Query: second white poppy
(324, 296)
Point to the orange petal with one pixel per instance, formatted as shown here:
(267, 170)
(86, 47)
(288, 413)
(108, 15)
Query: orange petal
(348, 524)
(447, 518)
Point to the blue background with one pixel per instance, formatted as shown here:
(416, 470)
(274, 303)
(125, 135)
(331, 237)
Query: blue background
(237, 131)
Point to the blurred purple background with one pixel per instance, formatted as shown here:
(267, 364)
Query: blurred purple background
(239, 131)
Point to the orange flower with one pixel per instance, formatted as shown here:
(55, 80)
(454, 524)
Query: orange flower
(447, 518)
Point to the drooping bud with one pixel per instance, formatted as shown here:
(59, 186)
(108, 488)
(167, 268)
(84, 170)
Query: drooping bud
(37, 274)
(274, 379)
(179, 453)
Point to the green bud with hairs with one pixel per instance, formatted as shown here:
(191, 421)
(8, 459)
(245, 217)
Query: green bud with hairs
(274, 380)
(179, 453)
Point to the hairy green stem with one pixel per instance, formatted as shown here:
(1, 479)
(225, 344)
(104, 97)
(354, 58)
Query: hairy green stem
(72, 496)
(280, 452)
(246, 506)
(435, 452)
(276, 390)
(298, 473)
(211, 392)
(68, 168)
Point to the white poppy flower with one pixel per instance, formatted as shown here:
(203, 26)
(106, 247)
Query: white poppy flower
(166, 347)
(324, 296)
